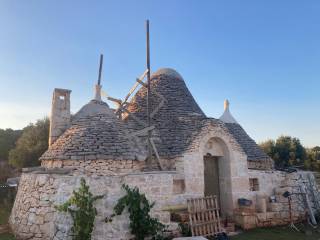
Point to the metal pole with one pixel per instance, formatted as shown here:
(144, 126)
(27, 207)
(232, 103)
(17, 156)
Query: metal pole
(100, 69)
(148, 91)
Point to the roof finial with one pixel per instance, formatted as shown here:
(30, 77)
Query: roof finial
(226, 104)
(226, 116)
(97, 95)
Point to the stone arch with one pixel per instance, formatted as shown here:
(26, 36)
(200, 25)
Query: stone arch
(217, 146)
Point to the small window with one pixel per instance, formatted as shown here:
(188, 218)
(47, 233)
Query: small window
(254, 184)
(62, 97)
(179, 186)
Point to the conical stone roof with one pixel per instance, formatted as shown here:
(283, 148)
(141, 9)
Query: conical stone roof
(176, 121)
(180, 119)
(178, 100)
(96, 133)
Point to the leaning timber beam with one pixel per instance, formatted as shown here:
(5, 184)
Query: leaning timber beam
(156, 152)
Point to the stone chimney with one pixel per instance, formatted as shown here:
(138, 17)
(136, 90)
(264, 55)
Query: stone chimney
(60, 113)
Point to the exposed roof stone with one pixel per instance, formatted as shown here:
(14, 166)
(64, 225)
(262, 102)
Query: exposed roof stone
(96, 133)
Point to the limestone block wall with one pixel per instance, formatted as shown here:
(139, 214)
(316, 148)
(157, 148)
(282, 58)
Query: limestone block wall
(275, 183)
(34, 216)
(270, 182)
(261, 164)
(97, 167)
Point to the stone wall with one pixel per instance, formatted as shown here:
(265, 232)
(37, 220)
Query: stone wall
(274, 184)
(34, 216)
(96, 167)
(262, 164)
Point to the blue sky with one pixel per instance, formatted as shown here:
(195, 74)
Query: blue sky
(264, 56)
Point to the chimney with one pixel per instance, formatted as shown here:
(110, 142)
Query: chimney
(60, 113)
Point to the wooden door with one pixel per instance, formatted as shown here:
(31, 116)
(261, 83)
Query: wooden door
(211, 177)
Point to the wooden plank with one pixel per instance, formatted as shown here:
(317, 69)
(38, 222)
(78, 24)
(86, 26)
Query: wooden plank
(205, 223)
(142, 83)
(208, 228)
(199, 216)
(156, 152)
(212, 229)
(209, 209)
(206, 218)
(190, 216)
(118, 101)
(218, 215)
(202, 216)
(204, 228)
(213, 214)
(139, 80)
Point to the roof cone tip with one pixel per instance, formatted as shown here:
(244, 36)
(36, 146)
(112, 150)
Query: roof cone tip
(226, 104)
(226, 116)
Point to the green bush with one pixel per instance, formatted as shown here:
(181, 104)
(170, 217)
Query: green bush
(80, 206)
(185, 229)
(142, 225)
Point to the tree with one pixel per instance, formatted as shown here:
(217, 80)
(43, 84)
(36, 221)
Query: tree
(285, 151)
(31, 145)
(313, 156)
(268, 147)
(8, 138)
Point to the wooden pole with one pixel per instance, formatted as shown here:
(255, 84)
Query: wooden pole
(100, 69)
(148, 91)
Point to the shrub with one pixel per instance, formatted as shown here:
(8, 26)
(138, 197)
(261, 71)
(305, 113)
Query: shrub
(185, 229)
(80, 206)
(142, 225)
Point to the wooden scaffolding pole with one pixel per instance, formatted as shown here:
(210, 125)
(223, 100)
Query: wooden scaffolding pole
(148, 92)
(100, 69)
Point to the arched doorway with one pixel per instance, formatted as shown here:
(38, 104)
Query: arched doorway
(211, 176)
(217, 173)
